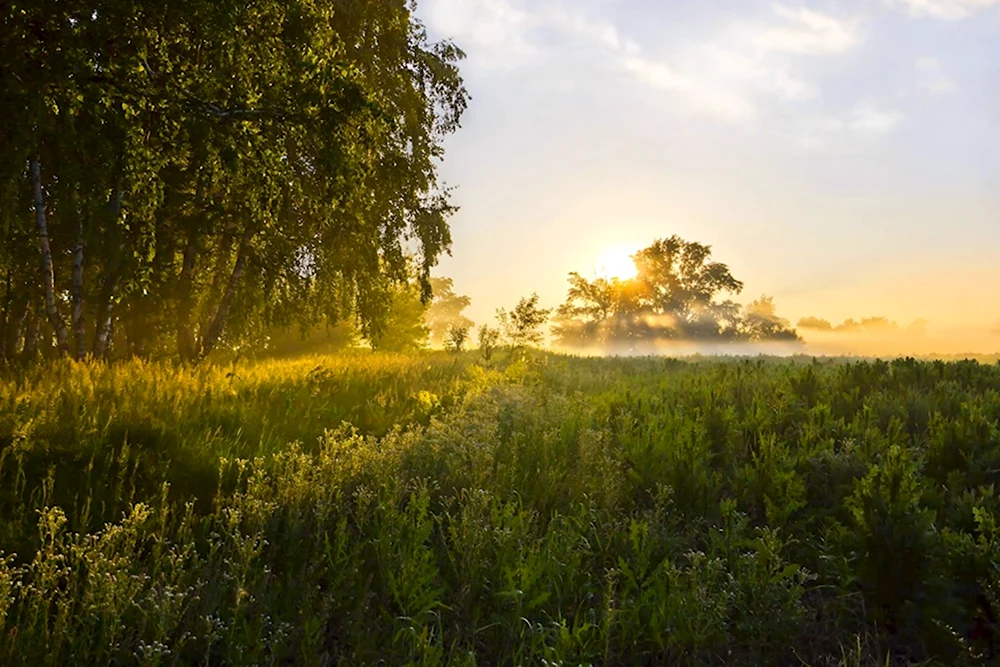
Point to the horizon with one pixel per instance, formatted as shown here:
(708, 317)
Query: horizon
(840, 157)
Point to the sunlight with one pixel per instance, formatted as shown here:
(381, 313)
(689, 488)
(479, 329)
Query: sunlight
(616, 263)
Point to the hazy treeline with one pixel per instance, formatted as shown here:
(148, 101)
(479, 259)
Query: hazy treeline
(177, 177)
(678, 294)
(869, 325)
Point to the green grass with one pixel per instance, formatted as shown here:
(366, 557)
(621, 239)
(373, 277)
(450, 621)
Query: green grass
(424, 510)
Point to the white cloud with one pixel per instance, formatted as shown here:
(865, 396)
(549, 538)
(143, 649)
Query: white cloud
(731, 77)
(833, 132)
(739, 67)
(933, 78)
(949, 10)
(718, 101)
(870, 119)
(495, 32)
(596, 31)
(807, 32)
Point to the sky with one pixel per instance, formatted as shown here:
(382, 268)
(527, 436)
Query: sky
(842, 156)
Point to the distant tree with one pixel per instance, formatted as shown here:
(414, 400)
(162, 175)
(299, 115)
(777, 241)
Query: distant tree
(850, 325)
(815, 323)
(684, 285)
(455, 341)
(404, 329)
(760, 322)
(678, 293)
(445, 311)
(868, 325)
(589, 299)
(521, 327)
(489, 338)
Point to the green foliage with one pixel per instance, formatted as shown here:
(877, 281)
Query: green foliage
(522, 326)
(210, 172)
(404, 329)
(426, 509)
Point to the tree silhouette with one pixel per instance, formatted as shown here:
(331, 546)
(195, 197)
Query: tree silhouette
(522, 326)
(760, 322)
(678, 293)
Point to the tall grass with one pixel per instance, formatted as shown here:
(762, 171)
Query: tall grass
(425, 509)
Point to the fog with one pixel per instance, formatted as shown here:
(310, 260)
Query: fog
(946, 342)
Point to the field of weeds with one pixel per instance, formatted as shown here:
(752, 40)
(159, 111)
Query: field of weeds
(430, 509)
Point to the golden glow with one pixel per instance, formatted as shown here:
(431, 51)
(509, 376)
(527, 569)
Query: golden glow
(616, 263)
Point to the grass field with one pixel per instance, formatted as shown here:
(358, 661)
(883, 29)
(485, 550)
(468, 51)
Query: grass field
(425, 509)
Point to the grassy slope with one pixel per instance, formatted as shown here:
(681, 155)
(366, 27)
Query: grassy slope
(425, 509)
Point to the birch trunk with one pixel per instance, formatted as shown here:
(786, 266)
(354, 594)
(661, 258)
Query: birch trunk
(79, 327)
(222, 255)
(185, 306)
(211, 337)
(102, 335)
(48, 272)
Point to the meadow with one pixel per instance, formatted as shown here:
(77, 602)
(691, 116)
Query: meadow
(433, 508)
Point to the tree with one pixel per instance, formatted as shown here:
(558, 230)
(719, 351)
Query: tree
(599, 311)
(815, 323)
(488, 340)
(521, 327)
(679, 293)
(760, 323)
(404, 329)
(684, 285)
(591, 299)
(203, 171)
(445, 311)
(455, 341)
(850, 325)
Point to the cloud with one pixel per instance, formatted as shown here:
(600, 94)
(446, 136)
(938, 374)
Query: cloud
(872, 120)
(807, 32)
(728, 76)
(703, 95)
(596, 31)
(496, 32)
(732, 76)
(949, 10)
(933, 78)
(768, 77)
(831, 132)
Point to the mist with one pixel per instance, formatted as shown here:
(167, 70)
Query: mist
(929, 342)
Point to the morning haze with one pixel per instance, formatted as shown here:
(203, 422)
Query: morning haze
(841, 157)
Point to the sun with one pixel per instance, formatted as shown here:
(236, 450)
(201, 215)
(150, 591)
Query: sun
(616, 263)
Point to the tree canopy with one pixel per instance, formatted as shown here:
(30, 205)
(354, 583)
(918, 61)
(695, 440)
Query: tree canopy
(678, 293)
(176, 176)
